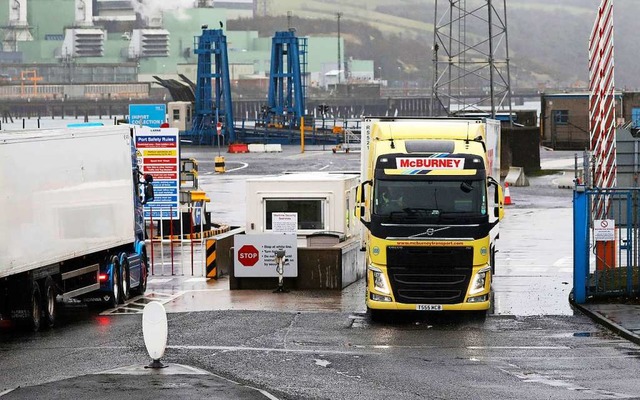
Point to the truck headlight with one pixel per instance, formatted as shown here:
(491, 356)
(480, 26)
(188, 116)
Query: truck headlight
(379, 280)
(479, 281)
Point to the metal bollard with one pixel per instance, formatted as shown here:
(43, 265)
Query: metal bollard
(280, 260)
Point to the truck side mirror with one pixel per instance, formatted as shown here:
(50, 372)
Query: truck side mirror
(148, 193)
(498, 209)
(361, 202)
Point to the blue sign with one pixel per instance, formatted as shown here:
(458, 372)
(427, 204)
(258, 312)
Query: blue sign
(151, 115)
(635, 116)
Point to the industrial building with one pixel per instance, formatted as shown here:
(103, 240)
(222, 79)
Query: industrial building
(112, 41)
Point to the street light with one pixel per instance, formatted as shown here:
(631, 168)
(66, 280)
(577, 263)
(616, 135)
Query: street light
(339, 14)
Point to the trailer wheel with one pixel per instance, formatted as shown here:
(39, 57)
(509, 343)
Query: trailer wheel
(124, 281)
(144, 272)
(33, 323)
(49, 305)
(114, 297)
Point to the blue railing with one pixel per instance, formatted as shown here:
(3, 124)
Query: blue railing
(606, 250)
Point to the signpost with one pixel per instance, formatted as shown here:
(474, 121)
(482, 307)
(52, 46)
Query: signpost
(604, 230)
(158, 154)
(248, 255)
(151, 115)
(255, 255)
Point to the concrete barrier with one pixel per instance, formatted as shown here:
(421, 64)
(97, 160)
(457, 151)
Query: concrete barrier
(273, 148)
(516, 177)
(257, 148)
(238, 148)
(567, 180)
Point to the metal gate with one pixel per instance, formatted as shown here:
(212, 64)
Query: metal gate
(181, 251)
(606, 243)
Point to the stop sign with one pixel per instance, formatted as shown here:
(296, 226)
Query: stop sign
(248, 255)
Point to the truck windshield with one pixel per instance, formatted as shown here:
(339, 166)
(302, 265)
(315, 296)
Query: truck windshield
(430, 199)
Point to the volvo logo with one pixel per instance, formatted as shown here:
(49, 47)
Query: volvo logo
(430, 232)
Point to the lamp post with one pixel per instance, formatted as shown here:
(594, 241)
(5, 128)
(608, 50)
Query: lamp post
(339, 15)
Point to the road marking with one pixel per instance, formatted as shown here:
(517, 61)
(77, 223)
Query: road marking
(533, 377)
(518, 347)
(325, 167)
(159, 280)
(563, 261)
(243, 166)
(197, 279)
(136, 305)
(266, 349)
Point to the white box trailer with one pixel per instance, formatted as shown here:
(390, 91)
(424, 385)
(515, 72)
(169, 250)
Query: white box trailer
(323, 202)
(68, 227)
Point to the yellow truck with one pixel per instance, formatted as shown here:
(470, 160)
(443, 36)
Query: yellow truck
(430, 203)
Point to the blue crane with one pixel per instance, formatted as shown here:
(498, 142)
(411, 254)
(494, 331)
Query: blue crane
(286, 101)
(212, 105)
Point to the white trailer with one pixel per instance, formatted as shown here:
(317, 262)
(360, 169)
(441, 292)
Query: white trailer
(71, 224)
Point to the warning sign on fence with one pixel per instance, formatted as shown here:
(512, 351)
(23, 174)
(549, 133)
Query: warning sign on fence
(604, 230)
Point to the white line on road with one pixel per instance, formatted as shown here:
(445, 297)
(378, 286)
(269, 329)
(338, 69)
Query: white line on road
(266, 349)
(244, 165)
(563, 261)
(325, 167)
(558, 382)
(518, 347)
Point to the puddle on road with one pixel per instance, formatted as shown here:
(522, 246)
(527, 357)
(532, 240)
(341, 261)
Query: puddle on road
(598, 334)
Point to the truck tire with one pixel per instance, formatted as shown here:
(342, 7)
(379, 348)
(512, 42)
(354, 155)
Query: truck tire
(125, 282)
(49, 306)
(35, 309)
(114, 296)
(144, 272)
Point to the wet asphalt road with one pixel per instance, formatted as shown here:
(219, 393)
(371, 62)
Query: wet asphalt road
(531, 346)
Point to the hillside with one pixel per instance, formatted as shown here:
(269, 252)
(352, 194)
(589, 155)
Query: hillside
(547, 40)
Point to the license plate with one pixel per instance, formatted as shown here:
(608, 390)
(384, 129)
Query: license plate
(428, 307)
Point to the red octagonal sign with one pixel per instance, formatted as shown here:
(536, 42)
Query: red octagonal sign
(248, 255)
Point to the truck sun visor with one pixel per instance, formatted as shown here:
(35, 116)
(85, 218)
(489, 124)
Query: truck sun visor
(430, 146)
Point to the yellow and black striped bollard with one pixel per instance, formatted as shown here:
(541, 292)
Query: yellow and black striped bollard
(212, 270)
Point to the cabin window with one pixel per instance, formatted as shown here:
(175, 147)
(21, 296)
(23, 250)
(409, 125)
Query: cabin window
(310, 211)
(561, 117)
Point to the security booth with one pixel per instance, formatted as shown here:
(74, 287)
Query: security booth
(179, 115)
(317, 210)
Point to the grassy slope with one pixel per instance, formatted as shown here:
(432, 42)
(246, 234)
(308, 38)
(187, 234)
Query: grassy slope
(547, 38)
(419, 24)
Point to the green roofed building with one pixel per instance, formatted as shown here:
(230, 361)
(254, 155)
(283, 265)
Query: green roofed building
(104, 41)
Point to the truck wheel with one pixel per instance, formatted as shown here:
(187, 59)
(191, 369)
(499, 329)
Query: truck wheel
(33, 323)
(49, 305)
(142, 286)
(114, 296)
(124, 282)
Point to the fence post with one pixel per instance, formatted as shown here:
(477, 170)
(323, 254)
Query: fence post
(580, 244)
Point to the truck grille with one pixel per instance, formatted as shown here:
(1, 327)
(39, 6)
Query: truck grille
(429, 275)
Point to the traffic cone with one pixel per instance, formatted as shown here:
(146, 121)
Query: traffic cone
(507, 195)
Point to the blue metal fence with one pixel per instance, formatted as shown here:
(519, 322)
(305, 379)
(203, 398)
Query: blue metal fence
(606, 243)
